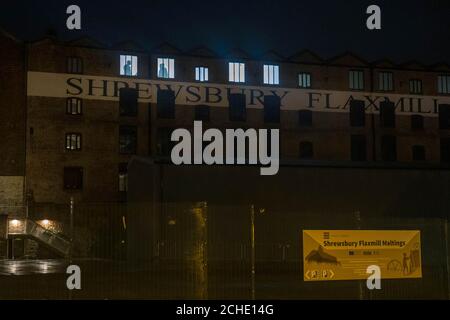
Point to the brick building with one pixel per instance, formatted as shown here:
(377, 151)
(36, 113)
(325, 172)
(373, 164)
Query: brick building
(90, 108)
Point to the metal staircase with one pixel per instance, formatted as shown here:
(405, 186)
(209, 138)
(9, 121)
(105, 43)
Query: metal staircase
(50, 239)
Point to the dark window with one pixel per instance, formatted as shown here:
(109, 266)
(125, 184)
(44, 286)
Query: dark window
(237, 110)
(305, 118)
(415, 86)
(416, 122)
(306, 150)
(128, 102)
(202, 113)
(166, 104)
(304, 80)
(127, 140)
(418, 153)
(357, 113)
(444, 116)
(74, 65)
(385, 81)
(358, 148)
(387, 114)
(444, 84)
(74, 106)
(73, 141)
(73, 178)
(272, 109)
(388, 148)
(164, 144)
(356, 79)
(123, 177)
(445, 149)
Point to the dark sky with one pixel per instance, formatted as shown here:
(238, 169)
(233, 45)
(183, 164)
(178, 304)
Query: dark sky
(412, 30)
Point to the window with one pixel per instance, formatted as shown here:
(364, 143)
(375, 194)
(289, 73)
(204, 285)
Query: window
(127, 139)
(237, 110)
(306, 150)
(387, 114)
(444, 116)
(415, 86)
(128, 65)
(123, 177)
(445, 150)
(201, 74)
(388, 148)
(444, 84)
(74, 65)
(358, 147)
(166, 68)
(164, 144)
(73, 141)
(416, 122)
(128, 102)
(356, 79)
(271, 74)
(304, 80)
(418, 153)
(357, 113)
(305, 118)
(165, 104)
(202, 113)
(74, 106)
(272, 109)
(73, 178)
(385, 81)
(236, 72)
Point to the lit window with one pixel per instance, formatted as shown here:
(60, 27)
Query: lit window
(444, 84)
(128, 66)
(236, 71)
(271, 74)
(201, 74)
(73, 141)
(304, 80)
(166, 68)
(73, 106)
(356, 79)
(415, 86)
(385, 81)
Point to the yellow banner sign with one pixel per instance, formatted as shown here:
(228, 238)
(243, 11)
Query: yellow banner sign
(346, 254)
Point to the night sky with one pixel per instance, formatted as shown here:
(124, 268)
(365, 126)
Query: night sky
(412, 30)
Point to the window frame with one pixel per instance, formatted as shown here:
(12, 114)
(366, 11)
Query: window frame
(79, 140)
(241, 71)
(412, 86)
(445, 89)
(382, 81)
(70, 65)
(309, 76)
(350, 78)
(121, 71)
(275, 81)
(205, 75)
(133, 152)
(170, 67)
(73, 168)
(69, 105)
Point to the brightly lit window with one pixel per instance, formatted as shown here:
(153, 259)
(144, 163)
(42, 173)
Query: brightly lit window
(166, 68)
(201, 74)
(73, 141)
(271, 74)
(128, 65)
(236, 72)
